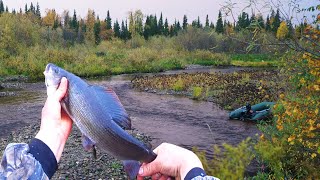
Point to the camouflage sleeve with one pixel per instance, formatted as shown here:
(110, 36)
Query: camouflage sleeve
(198, 174)
(205, 178)
(18, 163)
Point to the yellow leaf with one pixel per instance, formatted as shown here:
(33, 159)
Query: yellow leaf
(281, 96)
(302, 81)
(291, 138)
(316, 87)
(313, 155)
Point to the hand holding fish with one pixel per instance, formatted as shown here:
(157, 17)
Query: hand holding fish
(55, 123)
(171, 161)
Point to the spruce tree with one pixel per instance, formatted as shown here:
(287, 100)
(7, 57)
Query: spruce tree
(261, 22)
(108, 21)
(32, 8)
(7, 9)
(185, 22)
(211, 25)
(116, 29)
(1, 7)
(38, 13)
(166, 28)
(147, 28)
(26, 8)
(96, 30)
(268, 25)
(74, 22)
(276, 22)
(14, 11)
(122, 30)
(178, 28)
(199, 25)
(160, 25)
(252, 18)
(207, 21)
(219, 26)
(20, 11)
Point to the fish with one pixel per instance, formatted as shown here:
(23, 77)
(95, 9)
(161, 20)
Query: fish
(101, 118)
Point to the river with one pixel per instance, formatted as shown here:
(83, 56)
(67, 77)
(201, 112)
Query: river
(166, 118)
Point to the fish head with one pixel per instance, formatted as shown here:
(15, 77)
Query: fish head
(53, 75)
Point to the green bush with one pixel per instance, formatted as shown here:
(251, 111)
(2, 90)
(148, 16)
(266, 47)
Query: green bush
(229, 162)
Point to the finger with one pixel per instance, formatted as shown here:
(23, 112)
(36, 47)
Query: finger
(139, 177)
(62, 89)
(164, 177)
(156, 176)
(149, 169)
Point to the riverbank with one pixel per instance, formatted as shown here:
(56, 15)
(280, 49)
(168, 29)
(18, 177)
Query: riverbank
(163, 118)
(76, 163)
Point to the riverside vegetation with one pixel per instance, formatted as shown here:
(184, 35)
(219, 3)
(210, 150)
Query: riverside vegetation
(288, 147)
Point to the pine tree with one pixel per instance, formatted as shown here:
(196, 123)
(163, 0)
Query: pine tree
(1, 7)
(166, 28)
(7, 9)
(116, 29)
(160, 25)
(97, 30)
(108, 21)
(14, 11)
(207, 21)
(219, 26)
(185, 22)
(20, 11)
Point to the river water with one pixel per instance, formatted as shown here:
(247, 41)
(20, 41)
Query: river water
(165, 118)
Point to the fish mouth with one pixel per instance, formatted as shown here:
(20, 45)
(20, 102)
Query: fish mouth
(48, 69)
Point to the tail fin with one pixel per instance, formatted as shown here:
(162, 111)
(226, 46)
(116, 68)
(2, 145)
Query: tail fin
(132, 168)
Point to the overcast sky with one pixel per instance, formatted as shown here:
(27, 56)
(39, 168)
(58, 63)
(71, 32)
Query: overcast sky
(171, 9)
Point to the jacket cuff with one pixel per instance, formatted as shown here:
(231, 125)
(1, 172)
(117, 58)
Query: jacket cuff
(194, 172)
(44, 155)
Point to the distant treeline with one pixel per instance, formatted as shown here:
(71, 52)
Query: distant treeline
(94, 29)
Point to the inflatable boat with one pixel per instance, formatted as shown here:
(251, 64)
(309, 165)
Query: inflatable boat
(256, 112)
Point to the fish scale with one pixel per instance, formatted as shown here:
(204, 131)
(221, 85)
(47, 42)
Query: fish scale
(100, 116)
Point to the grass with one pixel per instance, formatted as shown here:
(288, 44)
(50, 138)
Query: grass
(255, 60)
(230, 90)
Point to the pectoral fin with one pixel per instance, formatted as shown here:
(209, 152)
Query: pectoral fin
(111, 102)
(132, 168)
(87, 143)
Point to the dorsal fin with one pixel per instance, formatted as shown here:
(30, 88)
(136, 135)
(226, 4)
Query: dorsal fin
(111, 102)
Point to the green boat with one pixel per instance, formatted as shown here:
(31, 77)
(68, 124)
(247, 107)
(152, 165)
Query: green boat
(256, 112)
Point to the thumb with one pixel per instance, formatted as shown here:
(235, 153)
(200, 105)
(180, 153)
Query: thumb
(149, 169)
(62, 89)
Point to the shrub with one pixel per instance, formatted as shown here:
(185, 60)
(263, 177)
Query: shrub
(229, 163)
(196, 92)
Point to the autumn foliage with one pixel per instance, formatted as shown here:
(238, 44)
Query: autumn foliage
(290, 146)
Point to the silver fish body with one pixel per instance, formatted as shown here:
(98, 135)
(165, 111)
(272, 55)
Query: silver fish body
(100, 116)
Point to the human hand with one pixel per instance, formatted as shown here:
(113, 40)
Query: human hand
(171, 161)
(55, 123)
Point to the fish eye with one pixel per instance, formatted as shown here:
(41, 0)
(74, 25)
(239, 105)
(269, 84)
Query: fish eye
(56, 71)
